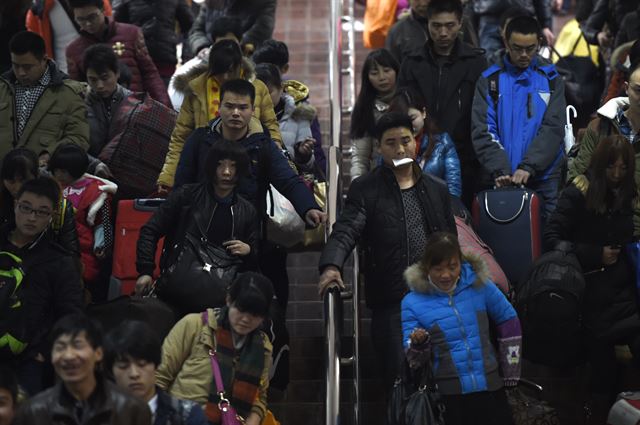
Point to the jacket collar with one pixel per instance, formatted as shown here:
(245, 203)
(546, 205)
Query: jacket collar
(610, 109)
(118, 95)
(474, 272)
(57, 76)
(460, 50)
(109, 32)
(255, 127)
(98, 402)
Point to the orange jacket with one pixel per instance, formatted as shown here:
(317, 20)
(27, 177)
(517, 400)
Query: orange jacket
(39, 22)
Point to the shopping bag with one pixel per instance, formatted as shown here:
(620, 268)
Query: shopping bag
(284, 225)
(379, 16)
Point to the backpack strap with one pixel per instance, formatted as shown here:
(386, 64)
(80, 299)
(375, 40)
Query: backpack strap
(492, 74)
(551, 73)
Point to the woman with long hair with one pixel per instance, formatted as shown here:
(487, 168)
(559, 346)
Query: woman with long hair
(436, 152)
(595, 214)
(377, 87)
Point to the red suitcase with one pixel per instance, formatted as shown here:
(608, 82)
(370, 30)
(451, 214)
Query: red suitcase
(132, 215)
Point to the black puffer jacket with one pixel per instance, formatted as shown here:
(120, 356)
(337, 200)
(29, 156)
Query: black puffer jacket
(610, 308)
(108, 405)
(157, 20)
(610, 12)
(175, 217)
(373, 216)
(257, 18)
(53, 287)
(540, 8)
(447, 88)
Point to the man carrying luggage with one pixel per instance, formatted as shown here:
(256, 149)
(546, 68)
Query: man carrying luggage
(390, 211)
(517, 118)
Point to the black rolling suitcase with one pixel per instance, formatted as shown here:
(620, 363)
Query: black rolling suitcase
(508, 220)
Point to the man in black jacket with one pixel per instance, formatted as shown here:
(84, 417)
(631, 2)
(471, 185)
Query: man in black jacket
(82, 395)
(445, 72)
(51, 286)
(390, 212)
(257, 18)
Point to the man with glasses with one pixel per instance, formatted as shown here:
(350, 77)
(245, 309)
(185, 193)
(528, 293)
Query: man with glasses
(39, 106)
(518, 112)
(125, 39)
(50, 288)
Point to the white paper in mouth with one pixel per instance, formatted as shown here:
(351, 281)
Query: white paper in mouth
(403, 161)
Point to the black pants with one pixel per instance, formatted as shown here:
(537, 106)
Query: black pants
(604, 366)
(386, 335)
(273, 264)
(481, 408)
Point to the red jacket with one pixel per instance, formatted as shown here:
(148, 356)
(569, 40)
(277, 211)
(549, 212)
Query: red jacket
(128, 42)
(38, 21)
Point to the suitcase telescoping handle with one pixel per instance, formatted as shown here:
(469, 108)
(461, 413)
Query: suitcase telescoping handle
(150, 204)
(525, 196)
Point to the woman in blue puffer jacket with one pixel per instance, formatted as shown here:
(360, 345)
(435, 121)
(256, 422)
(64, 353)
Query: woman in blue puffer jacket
(452, 299)
(436, 152)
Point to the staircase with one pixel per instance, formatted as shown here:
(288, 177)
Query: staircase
(304, 26)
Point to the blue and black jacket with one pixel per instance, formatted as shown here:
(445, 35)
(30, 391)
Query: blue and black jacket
(518, 119)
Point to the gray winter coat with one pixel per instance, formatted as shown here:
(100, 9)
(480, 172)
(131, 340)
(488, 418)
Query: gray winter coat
(295, 127)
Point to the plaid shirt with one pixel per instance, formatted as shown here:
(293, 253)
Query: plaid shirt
(27, 97)
(625, 127)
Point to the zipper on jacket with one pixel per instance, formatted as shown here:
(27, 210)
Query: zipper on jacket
(466, 341)
(438, 96)
(233, 224)
(459, 100)
(404, 220)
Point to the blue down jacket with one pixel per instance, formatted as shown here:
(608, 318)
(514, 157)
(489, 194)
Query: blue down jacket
(443, 162)
(526, 130)
(464, 360)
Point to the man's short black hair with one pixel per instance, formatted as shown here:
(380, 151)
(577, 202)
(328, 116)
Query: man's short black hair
(241, 87)
(512, 12)
(523, 25)
(224, 56)
(42, 186)
(272, 51)
(392, 120)
(71, 158)
(134, 340)
(100, 58)
(226, 149)
(445, 6)
(224, 25)
(269, 74)
(27, 42)
(74, 325)
(9, 382)
(83, 3)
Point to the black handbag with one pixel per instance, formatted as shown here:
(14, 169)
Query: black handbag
(527, 410)
(415, 399)
(199, 276)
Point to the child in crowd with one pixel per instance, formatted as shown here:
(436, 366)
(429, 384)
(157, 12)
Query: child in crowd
(294, 118)
(277, 53)
(436, 152)
(91, 199)
(378, 85)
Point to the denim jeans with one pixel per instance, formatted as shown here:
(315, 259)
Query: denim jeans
(386, 334)
(489, 34)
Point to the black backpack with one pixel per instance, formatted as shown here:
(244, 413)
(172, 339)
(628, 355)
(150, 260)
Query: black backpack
(549, 304)
(13, 332)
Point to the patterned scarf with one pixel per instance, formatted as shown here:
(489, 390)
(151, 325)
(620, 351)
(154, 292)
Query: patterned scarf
(244, 378)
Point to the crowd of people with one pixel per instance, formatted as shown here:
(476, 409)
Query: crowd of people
(443, 112)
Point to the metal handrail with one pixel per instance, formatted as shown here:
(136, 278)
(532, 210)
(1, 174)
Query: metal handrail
(333, 299)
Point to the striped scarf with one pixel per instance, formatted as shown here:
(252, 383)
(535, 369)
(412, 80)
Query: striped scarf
(244, 378)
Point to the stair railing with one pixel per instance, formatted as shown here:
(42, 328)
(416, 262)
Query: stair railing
(333, 299)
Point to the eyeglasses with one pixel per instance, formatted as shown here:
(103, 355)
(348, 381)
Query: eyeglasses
(87, 19)
(529, 50)
(27, 210)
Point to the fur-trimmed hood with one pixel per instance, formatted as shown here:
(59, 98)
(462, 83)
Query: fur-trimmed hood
(301, 111)
(474, 271)
(196, 67)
